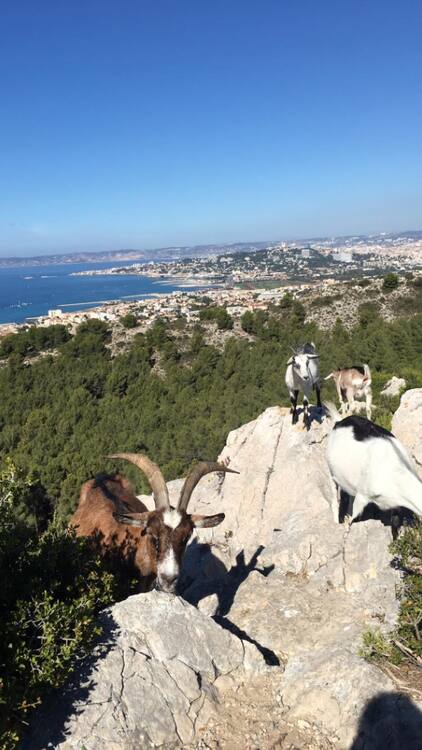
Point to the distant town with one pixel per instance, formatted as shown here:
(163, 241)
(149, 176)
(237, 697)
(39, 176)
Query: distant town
(403, 243)
(255, 279)
(286, 262)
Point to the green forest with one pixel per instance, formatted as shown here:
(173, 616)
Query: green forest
(171, 395)
(66, 403)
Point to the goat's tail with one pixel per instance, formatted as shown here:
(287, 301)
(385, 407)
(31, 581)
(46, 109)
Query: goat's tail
(331, 375)
(367, 375)
(332, 411)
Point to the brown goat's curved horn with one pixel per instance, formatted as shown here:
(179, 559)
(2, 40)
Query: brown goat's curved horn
(152, 473)
(199, 471)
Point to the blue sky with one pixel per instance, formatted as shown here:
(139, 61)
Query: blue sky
(161, 122)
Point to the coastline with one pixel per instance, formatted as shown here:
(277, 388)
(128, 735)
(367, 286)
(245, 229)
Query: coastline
(185, 280)
(28, 296)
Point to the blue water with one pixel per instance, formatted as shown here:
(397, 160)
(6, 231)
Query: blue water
(29, 291)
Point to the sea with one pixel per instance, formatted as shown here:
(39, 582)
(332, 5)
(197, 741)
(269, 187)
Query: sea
(30, 291)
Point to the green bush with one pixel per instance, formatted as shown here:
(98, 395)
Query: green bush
(368, 313)
(33, 340)
(53, 585)
(247, 322)
(390, 282)
(325, 300)
(406, 639)
(219, 315)
(129, 321)
(408, 550)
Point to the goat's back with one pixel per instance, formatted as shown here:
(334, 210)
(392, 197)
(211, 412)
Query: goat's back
(99, 499)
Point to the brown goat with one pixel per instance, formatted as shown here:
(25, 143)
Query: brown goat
(351, 382)
(151, 543)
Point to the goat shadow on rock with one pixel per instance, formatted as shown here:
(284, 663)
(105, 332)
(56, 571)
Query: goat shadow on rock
(389, 721)
(224, 584)
(315, 414)
(47, 726)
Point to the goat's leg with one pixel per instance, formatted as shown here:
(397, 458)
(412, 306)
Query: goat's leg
(345, 503)
(396, 524)
(368, 401)
(318, 395)
(335, 499)
(293, 409)
(359, 504)
(343, 400)
(306, 419)
(350, 395)
(339, 394)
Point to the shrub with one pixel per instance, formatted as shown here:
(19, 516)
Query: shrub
(390, 282)
(94, 326)
(219, 315)
(129, 321)
(224, 320)
(34, 340)
(325, 300)
(52, 588)
(247, 321)
(368, 313)
(286, 301)
(408, 549)
(407, 637)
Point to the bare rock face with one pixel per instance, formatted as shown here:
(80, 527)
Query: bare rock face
(152, 682)
(393, 387)
(407, 424)
(299, 584)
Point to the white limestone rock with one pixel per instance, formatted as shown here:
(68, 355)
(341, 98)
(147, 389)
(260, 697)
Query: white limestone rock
(151, 682)
(407, 424)
(393, 387)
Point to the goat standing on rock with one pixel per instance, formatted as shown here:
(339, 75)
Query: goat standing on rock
(352, 382)
(302, 374)
(368, 463)
(152, 543)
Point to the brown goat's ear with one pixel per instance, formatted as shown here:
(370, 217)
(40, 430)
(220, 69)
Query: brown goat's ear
(133, 519)
(205, 522)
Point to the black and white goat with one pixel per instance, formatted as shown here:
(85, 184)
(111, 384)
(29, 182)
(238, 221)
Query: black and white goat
(368, 463)
(302, 374)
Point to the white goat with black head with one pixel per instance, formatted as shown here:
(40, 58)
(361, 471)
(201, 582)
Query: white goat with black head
(368, 463)
(302, 374)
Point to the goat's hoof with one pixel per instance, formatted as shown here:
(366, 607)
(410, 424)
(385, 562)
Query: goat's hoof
(348, 520)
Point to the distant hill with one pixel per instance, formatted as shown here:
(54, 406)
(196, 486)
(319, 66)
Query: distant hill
(185, 251)
(163, 253)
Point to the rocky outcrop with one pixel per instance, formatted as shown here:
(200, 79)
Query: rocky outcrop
(407, 424)
(282, 593)
(393, 387)
(316, 585)
(283, 572)
(154, 680)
